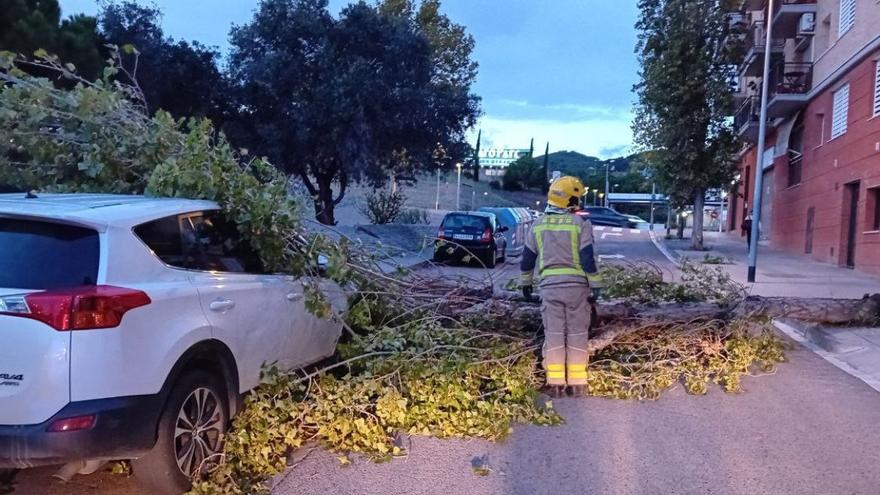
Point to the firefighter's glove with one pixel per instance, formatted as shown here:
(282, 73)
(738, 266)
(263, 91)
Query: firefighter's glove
(527, 292)
(596, 285)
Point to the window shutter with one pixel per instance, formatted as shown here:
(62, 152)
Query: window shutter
(877, 90)
(840, 112)
(847, 16)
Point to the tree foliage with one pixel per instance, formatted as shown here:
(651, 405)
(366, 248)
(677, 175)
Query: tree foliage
(96, 137)
(336, 100)
(524, 173)
(30, 25)
(179, 77)
(684, 101)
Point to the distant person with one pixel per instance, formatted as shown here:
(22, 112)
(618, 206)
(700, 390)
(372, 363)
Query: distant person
(747, 230)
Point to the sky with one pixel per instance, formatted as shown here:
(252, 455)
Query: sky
(558, 71)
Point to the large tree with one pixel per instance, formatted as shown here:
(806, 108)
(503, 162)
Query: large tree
(684, 100)
(336, 100)
(178, 77)
(30, 25)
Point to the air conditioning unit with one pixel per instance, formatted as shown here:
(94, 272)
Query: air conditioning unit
(807, 24)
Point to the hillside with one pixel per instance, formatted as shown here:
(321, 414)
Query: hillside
(574, 163)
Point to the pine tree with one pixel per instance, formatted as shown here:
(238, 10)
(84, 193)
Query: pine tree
(545, 185)
(477, 157)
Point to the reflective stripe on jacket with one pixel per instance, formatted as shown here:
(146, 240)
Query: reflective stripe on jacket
(560, 246)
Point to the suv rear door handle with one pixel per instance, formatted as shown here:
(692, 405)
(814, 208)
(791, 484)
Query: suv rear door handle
(222, 305)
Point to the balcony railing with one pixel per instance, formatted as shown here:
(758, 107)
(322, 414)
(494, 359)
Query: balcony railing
(789, 19)
(756, 39)
(790, 83)
(791, 78)
(748, 113)
(777, 6)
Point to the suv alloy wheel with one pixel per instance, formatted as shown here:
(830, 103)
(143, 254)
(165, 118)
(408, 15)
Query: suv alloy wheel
(191, 431)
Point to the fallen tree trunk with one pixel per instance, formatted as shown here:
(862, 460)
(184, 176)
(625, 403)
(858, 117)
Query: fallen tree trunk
(620, 318)
(824, 311)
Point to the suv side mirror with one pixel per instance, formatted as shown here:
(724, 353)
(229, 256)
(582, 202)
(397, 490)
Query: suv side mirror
(503, 229)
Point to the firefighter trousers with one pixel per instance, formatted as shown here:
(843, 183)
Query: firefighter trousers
(566, 314)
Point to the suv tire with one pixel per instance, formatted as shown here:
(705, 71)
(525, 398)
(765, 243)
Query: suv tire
(197, 405)
(492, 258)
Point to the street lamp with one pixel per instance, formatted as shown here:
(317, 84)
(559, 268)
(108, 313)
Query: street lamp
(458, 189)
(762, 135)
(607, 166)
(437, 199)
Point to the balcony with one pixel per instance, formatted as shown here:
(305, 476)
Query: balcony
(747, 119)
(790, 82)
(754, 49)
(789, 20)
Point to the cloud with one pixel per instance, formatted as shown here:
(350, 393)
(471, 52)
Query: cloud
(556, 111)
(605, 138)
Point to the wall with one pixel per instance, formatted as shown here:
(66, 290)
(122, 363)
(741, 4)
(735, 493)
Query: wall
(829, 51)
(828, 165)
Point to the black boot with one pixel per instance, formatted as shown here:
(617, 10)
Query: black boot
(555, 391)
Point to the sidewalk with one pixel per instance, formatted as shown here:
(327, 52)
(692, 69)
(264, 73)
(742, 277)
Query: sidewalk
(778, 273)
(856, 351)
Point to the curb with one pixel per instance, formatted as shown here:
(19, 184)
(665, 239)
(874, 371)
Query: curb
(663, 249)
(791, 329)
(818, 336)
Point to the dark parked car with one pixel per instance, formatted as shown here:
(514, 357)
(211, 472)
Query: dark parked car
(600, 215)
(475, 232)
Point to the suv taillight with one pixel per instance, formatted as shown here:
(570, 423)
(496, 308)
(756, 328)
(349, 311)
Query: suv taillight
(79, 308)
(441, 234)
(487, 235)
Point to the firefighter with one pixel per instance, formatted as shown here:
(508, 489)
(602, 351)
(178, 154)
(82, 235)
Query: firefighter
(560, 247)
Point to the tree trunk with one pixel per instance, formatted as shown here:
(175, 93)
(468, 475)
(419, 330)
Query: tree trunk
(618, 319)
(324, 204)
(697, 232)
(679, 222)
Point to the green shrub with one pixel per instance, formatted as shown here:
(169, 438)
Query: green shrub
(413, 216)
(383, 206)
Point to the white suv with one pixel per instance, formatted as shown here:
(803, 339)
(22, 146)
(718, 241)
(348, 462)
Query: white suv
(130, 327)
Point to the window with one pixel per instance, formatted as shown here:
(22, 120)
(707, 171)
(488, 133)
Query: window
(43, 255)
(874, 208)
(163, 238)
(840, 112)
(847, 16)
(215, 245)
(200, 241)
(877, 89)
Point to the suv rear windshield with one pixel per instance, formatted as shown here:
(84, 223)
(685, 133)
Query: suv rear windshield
(466, 222)
(43, 255)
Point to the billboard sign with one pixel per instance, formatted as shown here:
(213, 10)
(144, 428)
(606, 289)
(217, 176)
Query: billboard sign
(500, 157)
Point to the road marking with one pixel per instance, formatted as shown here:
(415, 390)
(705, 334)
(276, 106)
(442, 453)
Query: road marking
(599, 228)
(635, 231)
(617, 229)
(608, 233)
(660, 247)
(611, 256)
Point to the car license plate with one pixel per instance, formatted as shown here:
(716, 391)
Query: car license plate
(463, 237)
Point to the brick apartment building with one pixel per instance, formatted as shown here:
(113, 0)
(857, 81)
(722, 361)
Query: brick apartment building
(822, 154)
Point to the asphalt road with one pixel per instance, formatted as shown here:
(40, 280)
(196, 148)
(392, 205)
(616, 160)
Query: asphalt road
(808, 429)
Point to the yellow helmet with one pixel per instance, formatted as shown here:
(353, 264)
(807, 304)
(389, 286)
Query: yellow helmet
(566, 192)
